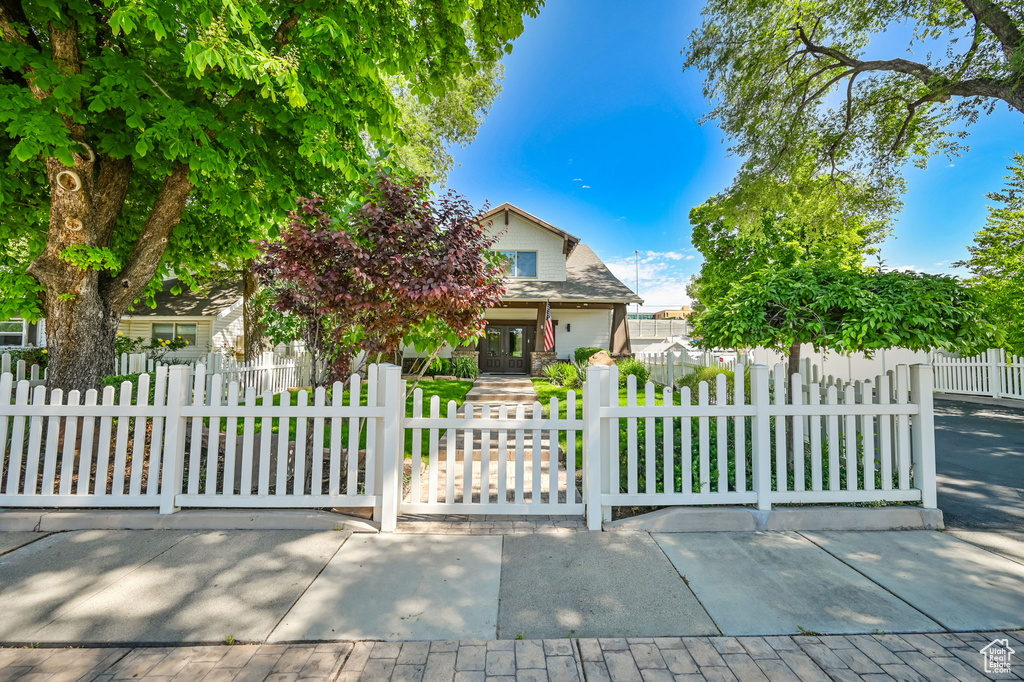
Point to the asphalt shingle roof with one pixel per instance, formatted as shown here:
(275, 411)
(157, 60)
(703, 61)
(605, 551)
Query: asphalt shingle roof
(190, 303)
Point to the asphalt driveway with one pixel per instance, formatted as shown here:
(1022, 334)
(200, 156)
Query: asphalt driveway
(979, 452)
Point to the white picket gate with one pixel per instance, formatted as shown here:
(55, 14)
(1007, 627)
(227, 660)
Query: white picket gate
(511, 463)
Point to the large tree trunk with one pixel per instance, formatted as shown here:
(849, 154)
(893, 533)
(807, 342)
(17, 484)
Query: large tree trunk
(83, 306)
(252, 315)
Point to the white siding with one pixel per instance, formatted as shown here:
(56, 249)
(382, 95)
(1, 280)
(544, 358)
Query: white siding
(521, 235)
(228, 326)
(142, 326)
(589, 328)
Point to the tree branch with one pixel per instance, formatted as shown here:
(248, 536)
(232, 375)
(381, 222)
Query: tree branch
(999, 23)
(167, 210)
(12, 18)
(111, 189)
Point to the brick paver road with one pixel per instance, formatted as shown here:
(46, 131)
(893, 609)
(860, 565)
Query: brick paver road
(671, 659)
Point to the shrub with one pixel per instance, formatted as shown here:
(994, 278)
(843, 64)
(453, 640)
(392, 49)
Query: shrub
(464, 368)
(710, 375)
(562, 374)
(632, 366)
(439, 366)
(30, 354)
(584, 354)
(117, 380)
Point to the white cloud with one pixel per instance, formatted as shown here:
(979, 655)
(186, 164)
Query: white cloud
(663, 277)
(620, 218)
(586, 186)
(577, 179)
(905, 268)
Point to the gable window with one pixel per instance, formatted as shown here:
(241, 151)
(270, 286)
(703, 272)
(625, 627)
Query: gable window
(12, 333)
(520, 263)
(169, 331)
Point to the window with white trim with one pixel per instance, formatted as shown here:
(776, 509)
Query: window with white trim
(169, 331)
(520, 263)
(13, 333)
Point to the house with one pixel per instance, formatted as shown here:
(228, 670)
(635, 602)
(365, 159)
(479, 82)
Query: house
(18, 332)
(209, 321)
(547, 265)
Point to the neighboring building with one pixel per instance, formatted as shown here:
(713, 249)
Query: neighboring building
(683, 312)
(209, 321)
(19, 332)
(640, 316)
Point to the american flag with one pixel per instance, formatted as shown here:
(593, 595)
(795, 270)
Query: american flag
(549, 330)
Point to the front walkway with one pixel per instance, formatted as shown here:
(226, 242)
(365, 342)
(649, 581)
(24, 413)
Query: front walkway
(755, 659)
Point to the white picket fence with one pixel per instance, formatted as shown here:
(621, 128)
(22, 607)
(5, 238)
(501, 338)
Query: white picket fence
(994, 373)
(269, 373)
(809, 444)
(669, 366)
(189, 448)
(204, 441)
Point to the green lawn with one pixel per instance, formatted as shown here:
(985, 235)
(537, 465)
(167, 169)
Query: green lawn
(446, 390)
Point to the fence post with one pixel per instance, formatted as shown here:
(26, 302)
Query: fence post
(995, 375)
(760, 442)
(670, 358)
(922, 433)
(174, 437)
(592, 444)
(391, 444)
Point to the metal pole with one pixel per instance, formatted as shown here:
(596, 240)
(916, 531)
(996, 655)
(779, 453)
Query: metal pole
(636, 263)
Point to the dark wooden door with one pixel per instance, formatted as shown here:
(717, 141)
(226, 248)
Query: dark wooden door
(505, 348)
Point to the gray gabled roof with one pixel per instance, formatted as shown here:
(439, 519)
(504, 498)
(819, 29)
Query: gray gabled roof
(586, 279)
(190, 303)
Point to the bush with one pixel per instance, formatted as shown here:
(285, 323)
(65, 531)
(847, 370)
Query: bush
(584, 354)
(710, 375)
(632, 366)
(562, 374)
(439, 366)
(30, 354)
(117, 380)
(464, 368)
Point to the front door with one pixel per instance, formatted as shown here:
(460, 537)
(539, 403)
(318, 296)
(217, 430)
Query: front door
(505, 349)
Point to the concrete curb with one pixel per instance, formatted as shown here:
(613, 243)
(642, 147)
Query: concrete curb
(201, 519)
(981, 400)
(702, 519)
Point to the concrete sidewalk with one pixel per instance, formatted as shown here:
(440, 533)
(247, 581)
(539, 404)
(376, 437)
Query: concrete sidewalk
(203, 587)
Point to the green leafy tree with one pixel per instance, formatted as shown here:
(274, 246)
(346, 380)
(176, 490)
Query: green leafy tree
(434, 124)
(997, 258)
(795, 75)
(847, 310)
(146, 136)
(763, 223)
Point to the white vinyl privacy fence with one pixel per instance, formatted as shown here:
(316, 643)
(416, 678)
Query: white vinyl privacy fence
(185, 438)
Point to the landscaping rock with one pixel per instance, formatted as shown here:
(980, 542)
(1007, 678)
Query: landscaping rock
(602, 359)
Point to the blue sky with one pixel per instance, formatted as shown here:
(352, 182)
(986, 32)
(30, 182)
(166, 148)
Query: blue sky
(596, 132)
